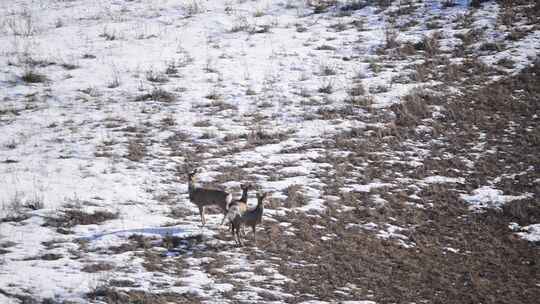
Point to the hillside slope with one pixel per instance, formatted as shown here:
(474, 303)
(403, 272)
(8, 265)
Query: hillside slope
(398, 140)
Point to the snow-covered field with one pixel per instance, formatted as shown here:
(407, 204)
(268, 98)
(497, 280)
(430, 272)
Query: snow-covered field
(104, 104)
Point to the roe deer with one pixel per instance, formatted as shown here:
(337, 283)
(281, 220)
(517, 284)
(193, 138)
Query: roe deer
(250, 218)
(203, 197)
(241, 202)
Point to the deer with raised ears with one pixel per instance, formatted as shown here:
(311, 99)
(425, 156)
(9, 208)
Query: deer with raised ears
(242, 202)
(203, 197)
(250, 218)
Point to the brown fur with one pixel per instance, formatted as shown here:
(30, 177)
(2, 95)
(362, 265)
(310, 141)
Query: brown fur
(203, 197)
(250, 218)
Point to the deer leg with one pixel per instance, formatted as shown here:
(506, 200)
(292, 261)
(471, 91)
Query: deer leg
(224, 217)
(223, 220)
(201, 211)
(233, 231)
(240, 242)
(235, 235)
(254, 235)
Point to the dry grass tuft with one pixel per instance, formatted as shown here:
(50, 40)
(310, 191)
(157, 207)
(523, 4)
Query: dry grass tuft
(72, 217)
(260, 136)
(136, 150)
(115, 296)
(31, 76)
(413, 109)
(295, 196)
(157, 94)
(98, 267)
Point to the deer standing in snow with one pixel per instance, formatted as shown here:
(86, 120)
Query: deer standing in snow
(250, 218)
(203, 197)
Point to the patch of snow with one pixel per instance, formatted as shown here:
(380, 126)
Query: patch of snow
(530, 233)
(451, 249)
(365, 188)
(437, 179)
(487, 197)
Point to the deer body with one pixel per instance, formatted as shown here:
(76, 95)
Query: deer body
(239, 205)
(203, 197)
(250, 218)
(242, 202)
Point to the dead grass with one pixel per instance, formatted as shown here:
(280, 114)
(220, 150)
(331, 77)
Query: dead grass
(471, 36)
(413, 109)
(157, 94)
(321, 6)
(231, 173)
(390, 37)
(136, 242)
(487, 263)
(430, 44)
(168, 121)
(348, 111)
(326, 87)
(111, 295)
(487, 256)
(51, 257)
(136, 150)
(448, 3)
(220, 105)
(524, 212)
(202, 123)
(356, 89)
(295, 196)
(15, 217)
(98, 267)
(327, 69)
(32, 76)
(260, 136)
(492, 47)
(72, 217)
(213, 95)
(477, 3)
(157, 77)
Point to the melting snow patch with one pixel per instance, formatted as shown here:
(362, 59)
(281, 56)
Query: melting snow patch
(367, 226)
(365, 188)
(370, 226)
(530, 233)
(422, 129)
(451, 249)
(328, 237)
(487, 197)
(391, 231)
(225, 287)
(295, 171)
(437, 179)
